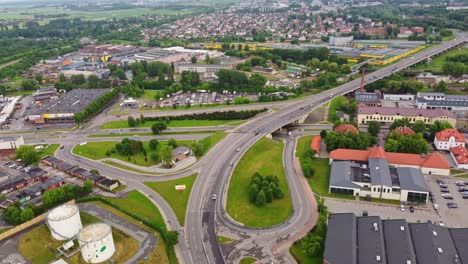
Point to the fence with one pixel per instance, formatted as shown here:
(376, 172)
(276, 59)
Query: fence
(15, 230)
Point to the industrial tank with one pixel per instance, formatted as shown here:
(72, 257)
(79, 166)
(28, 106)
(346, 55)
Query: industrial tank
(96, 242)
(64, 222)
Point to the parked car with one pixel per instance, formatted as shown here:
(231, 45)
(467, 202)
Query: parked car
(402, 208)
(443, 185)
(460, 183)
(436, 206)
(441, 223)
(214, 196)
(433, 200)
(61, 147)
(444, 190)
(452, 205)
(440, 182)
(462, 189)
(447, 196)
(464, 193)
(411, 209)
(465, 196)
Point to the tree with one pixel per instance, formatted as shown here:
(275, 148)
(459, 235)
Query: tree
(120, 73)
(441, 87)
(391, 145)
(261, 199)
(26, 215)
(38, 78)
(154, 156)
(88, 186)
(27, 154)
(400, 123)
(193, 59)
(172, 238)
(455, 69)
(323, 134)
(172, 142)
(438, 126)
(373, 128)
(95, 171)
(29, 85)
(93, 82)
(131, 121)
(253, 190)
(307, 169)
(78, 79)
(62, 78)
(153, 144)
(166, 155)
(158, 127)
(197, 149)
(419, 126)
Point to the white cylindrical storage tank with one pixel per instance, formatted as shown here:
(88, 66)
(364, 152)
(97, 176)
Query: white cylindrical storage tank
(96, 242)
(64, 222)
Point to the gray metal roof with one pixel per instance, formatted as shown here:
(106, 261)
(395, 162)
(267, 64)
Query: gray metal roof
(442, 102)
(433, 244)
(340, 175)
(412, 179)
(421, 94)
(460, 238)
(398, 246)
(380, 173)
(371, 247)
(341, 237)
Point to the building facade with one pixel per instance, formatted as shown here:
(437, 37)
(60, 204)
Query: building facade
(448, 138)
(11, 142)
(388, 115)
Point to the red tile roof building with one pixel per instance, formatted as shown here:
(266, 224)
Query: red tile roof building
(459, 154)
(346, 128)
(315, 144)
(390, 114)
(404, 131)
(448, 138)
(433, 163)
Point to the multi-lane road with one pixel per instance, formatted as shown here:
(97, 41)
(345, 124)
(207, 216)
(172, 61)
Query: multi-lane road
(197, 240)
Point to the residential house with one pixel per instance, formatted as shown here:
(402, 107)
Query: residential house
(403, 131)
(346, 128)
(459, 155)
(180, 153)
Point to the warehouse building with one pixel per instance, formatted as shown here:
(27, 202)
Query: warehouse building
(8, 143)
(64, 108)
(442, 101)
(388, 115)
(368, 239)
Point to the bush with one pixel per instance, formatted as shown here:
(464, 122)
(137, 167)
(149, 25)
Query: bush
(263, 190)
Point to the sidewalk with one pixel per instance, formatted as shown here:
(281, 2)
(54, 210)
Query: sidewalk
(156, 168)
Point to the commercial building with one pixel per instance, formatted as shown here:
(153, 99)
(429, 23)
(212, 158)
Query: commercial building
(7, 143)
(368, 98)
(459, 155)
(201, 68)
(388, 115)
(448, 138)
(376, 179)
(43, 94)
(339, 41)
(64, 108)
(399, 97)
(369, 239)
(433, 163)
(180, 153)
(442, 101)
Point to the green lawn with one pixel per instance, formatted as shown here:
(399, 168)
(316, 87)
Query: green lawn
(321, 179)
(38, 246)
(208, 142)
(97, 150)
(120, 166)
(151, 134)
(247, 260)
(265, 157)
(178, 200)
(298, 253)
(149, 94)
(120, 188)
(172, 123)
(437, 62)
(139, 204)
(334, 106)
(48, 149)
(224, 240)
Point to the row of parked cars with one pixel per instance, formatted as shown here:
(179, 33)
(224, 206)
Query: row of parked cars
(12, 165)
(462, 189)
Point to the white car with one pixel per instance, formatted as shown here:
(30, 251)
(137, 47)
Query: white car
(436, 207)
(214, 196)
(402, 208)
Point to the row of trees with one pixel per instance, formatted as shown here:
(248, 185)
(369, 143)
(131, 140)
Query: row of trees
(79, 81)
(27, 154)
(96, 106)
(406, 143)
(263, 190)
(15, 216)
(234, 80)
(218, 115)
(335, 140)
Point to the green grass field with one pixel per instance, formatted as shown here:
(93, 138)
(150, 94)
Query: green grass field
(334, 106)
(38, 246)
(437, 62)
(321, 179)
(247, 260)
(178, 200)
(138, 203)
(265, 157)
(97, 150)
(172, 123)
(48, 149)
(224, 240)
(149, 94)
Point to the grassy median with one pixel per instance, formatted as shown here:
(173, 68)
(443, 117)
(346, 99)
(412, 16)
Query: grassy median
(173, 123)
(178, 200)
(265, 157)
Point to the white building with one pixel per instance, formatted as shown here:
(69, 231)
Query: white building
(448, 138)
(459, 155)
(399, 97)
(11, 142)
(442, 101)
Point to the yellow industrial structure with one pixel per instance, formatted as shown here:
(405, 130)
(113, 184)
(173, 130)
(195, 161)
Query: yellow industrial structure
(379, 59)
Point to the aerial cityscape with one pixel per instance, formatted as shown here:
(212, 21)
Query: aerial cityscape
(234, 131)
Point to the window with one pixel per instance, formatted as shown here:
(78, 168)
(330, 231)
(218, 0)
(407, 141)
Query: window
(342, 191)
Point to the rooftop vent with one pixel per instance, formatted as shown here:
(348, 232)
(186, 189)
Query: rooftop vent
(402, 228)
(408, 262)
(377, 258)
(376, 227)
(434, 233)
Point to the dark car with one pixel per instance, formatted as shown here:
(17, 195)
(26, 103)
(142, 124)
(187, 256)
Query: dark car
(462, 189)
(452, 205)
(444, 190)
(443, 185)
(440, 182)
(448, 197)
(411, 209)
(61, 147)
(465, 196)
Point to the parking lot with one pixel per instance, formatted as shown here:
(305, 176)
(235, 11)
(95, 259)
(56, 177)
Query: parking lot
(452, 217)
(203, 98)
